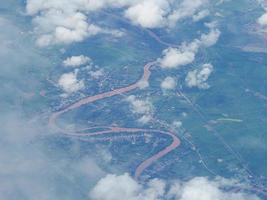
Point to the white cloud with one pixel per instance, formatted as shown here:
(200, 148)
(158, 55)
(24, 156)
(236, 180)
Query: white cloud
(88, 167)
(262, 20)
(211, 25)
(201, 188)
(200, 15)
(169, 83)
(262, 4)
(59, 27)
(115, 33)
(33, 6)
(143, 84)
(124, 187)
(105, 154)
(210, 38)
(97, 74)
(141, 107)
(149, 13)
(145, 119)
(186, 53)
(69, 82)
(94, 30)
(173, 58)
(58, 22)
(185, 9)
(177, 124)
(198, 77)
(76, 61)
(113, 187)
(161, 13)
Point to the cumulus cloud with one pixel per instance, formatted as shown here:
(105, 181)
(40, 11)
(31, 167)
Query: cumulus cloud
(145, 119)
(76, 61)
(262, 20)
(186, 53)
(160, 13)
(59, 23)
(141, 107)
(55, 27)
(200, 15)
(210, 38)
(69, 82)
(96, 74)
(94, 30)
(186, 9)
(201, 188)
(149, 13)
(173, 58)
(198, 77)
(113, 187)
(143, 84)
(177, 124)
(168, 83)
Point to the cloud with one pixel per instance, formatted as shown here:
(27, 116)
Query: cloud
(69, 82)
(17, 53)
(76, 61)
(262, 4)
(33, 164)
(141, 107)
(201, 188)
(163, 13)
(59, 23)
(94, 30)
(145, 119)
(200, 15)
(198, 77)
(211, 38)
(186, 53)
(30, 168)
(143, 84)
(88, 167)
(57, 27)
(149, 13)
(186, 8)
(96, 74)
(169, 83)
(173, 58)
(33, 6)
(177, 124)
(114, 187)
(262, 20)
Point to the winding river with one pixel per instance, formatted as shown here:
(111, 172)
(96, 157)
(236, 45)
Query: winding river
(90, 99)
